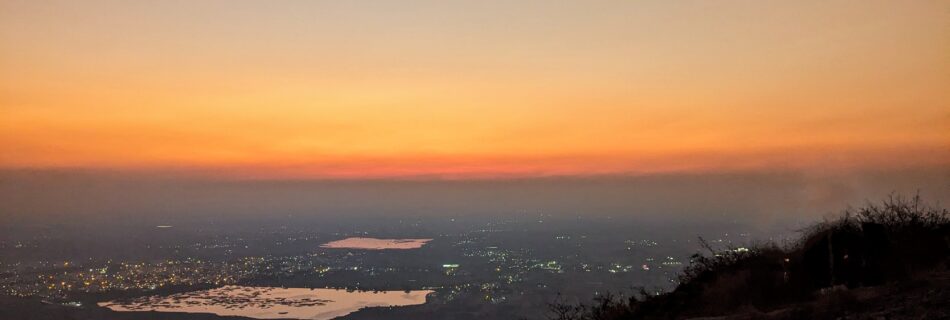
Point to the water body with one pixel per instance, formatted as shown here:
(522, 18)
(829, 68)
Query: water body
(376, 244)
(272, 303)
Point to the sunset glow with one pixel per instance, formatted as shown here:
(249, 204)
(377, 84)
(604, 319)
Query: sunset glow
(481, 89)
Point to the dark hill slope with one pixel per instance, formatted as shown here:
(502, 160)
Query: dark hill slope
(889, 259)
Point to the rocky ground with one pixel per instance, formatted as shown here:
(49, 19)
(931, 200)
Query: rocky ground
(927, 296)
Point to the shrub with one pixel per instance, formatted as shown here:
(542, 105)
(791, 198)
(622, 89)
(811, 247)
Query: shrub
(871, 245)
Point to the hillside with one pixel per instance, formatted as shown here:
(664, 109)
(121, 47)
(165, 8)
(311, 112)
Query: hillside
(886, 260)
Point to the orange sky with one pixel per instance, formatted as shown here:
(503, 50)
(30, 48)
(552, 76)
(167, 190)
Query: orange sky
(473, 89)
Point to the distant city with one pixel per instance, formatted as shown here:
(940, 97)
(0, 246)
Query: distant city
(516, 266)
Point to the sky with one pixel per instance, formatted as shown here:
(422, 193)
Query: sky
(473, 89)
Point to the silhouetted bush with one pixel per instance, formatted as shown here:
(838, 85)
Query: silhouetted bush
(868, 246)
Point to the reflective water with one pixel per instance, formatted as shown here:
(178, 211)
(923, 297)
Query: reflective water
(376, 244)
(272, 303)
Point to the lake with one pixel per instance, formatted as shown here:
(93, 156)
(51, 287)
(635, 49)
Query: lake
(271, 302)
(376, 244)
